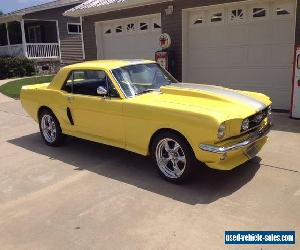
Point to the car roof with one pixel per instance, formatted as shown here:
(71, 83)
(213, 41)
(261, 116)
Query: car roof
(107, 64)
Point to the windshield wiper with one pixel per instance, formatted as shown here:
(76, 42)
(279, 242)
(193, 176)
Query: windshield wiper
(147, 91)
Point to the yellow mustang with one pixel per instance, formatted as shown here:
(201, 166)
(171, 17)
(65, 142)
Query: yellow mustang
(138, 106)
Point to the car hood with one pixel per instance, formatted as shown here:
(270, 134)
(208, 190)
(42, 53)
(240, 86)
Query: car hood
(207, 99)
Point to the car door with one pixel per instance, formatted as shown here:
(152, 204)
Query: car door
(93, 116)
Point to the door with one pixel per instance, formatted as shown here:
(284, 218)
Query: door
(130, 38)
(246, 46)
(296, 87)
(95, 116)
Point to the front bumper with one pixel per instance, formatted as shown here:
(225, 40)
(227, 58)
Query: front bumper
(253, 138)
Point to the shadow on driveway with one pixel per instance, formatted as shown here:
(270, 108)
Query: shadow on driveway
(207, 186)
(282, 122)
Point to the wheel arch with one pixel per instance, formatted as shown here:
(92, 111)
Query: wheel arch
(163, 130)
(41, 109)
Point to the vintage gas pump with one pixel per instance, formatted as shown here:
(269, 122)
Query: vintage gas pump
(296, 86)
(164, 57)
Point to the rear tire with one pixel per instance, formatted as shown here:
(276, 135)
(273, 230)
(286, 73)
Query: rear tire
(173, 157)
(50, 129)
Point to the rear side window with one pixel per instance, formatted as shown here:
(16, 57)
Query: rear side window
(86, 82)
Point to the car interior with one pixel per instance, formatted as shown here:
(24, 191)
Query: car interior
(87, 83)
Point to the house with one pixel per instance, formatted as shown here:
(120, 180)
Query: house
(245, 44)
(42, 33)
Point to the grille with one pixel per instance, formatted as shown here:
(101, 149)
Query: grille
(255, 120)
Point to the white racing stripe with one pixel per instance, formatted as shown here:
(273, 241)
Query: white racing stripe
(225, 92)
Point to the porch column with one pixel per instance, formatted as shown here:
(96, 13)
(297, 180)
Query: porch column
(24, 38)
(8, 41)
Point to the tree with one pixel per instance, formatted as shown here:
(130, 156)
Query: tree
(1, 13)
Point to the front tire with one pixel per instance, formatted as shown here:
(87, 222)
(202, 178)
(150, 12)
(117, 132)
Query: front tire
(50, 129)
(173, 157)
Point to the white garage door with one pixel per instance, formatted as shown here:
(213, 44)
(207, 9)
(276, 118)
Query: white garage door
(130, 38)
(247, 46)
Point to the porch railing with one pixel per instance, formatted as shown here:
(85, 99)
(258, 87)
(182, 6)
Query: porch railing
(42, 50)
(12, 50)
(4, 50)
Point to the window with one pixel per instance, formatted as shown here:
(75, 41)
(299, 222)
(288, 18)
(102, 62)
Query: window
(86, 82)
(142, 78)
(143, 26)
(259, 12)
(237, 15)
(284, 8)
(119, 29)
(282, 12)
(130, 27)
(198, 21)
(217, 17)
(74, 28)
(156, 25)
(108, 31)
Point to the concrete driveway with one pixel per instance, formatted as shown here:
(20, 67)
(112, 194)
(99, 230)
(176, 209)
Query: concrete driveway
(85, 195)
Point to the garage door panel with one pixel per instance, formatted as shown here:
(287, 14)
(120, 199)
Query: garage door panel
(198, 37)
(259, 56)
(282, 55)
(235, 56)
(283, 31)
(270, 55)
(247, 53)
(216, 36)
(207, 76)
(208, 57)
(261, 33)
(236, 35)
(206, 37)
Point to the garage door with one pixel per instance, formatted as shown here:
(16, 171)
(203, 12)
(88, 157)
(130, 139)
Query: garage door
(131, 38)
(247, 46)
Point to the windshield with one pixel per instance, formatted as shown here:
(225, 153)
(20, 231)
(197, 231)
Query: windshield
(142, 78)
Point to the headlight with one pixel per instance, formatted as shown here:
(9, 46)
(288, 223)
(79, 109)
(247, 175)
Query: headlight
(245, 125)
(221, 131)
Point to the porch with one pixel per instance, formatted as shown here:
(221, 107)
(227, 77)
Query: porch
(35, 39)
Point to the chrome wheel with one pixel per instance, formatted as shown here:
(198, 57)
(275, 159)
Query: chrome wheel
(170, 158)
(48, 128)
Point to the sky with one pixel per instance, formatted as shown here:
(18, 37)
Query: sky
(11, 5)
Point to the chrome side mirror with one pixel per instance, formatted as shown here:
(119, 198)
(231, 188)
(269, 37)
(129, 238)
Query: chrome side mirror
(101, 91)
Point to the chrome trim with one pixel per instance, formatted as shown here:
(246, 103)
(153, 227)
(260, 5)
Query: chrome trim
(258, 125)
(252, 139)
(117, 83)
(48, 128)
(168, 155)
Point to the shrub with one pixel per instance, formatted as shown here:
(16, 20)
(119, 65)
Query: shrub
(16, 67)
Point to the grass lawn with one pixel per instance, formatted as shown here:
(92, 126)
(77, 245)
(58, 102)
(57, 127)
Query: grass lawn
(13, 88)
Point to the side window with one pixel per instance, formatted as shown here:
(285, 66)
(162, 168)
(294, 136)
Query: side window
(86, 82)
(74, 28)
